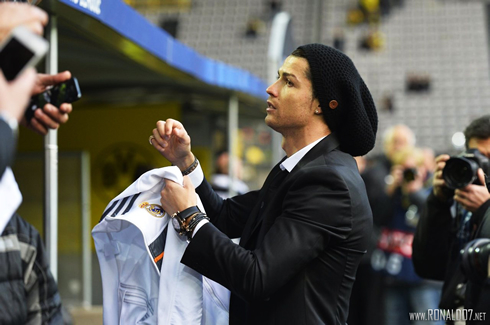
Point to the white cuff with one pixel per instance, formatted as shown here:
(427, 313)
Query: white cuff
(199, 225)
(197, 175)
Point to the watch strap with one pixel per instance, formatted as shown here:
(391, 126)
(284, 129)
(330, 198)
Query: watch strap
(187, 212)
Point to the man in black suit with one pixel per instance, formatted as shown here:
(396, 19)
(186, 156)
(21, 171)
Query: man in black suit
(304, 233)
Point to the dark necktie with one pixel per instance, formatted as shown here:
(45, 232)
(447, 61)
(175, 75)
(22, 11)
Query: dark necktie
(256, 220)
(274, 185)
(277, 180)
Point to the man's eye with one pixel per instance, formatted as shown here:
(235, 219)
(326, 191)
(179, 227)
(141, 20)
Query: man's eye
(289, 83)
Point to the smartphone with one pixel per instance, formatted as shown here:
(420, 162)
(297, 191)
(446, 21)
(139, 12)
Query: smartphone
(65, 92)
(20, 50)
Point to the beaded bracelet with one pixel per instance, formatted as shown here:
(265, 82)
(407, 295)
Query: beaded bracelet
(191, 168)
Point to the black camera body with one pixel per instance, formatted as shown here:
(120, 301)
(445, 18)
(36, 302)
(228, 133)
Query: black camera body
(409, 174)
(460, 171)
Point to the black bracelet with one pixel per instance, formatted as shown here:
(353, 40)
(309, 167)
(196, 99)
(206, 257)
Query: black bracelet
(191, 168)
(184, 214)
(198, 217)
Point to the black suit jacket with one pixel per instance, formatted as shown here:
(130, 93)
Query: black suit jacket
(299, 248)
(7, 146)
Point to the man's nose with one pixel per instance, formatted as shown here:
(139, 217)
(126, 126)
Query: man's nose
(272, 90)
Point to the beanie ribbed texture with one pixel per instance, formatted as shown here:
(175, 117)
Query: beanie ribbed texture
(334, 77)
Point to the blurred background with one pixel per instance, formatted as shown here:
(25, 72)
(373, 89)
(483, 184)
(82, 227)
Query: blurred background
(207, 63)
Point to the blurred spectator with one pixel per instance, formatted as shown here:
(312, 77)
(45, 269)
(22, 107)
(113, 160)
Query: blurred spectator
(405, 291)
(385, 7)
(368, 291)
(373, 40)
(355, 16)
(274, 6)
(387, 103)
(371, 10)
(451, 222)
(418, 82)
(220, 181)
(338, 39)
(255, 27)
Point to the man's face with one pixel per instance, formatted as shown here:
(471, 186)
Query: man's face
(483, 145)
(291, 105)
(399, 142)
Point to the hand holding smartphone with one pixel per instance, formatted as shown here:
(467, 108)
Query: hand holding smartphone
(65, 92)
(20, 50)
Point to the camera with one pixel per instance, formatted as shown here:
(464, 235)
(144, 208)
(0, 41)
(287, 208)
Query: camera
(474, 259)
(409, 174)
(461, 170)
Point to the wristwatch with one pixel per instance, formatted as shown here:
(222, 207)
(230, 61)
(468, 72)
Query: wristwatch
(179, 218)
(187, 228)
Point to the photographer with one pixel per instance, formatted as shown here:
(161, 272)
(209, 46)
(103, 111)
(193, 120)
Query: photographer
(405, 291)
(449, 221)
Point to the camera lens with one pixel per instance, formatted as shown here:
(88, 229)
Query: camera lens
(409, 175)
(475, 257)
(459, 172)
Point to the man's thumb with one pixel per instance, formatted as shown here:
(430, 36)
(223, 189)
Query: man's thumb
(481, 176)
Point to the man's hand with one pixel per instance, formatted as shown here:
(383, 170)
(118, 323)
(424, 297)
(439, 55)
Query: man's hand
(439, 185)
(173, 142)
(15, 95)
(49, 117)
(13, 14)
(417, 184)
(178, 198)
(473, 196)
(396, 178)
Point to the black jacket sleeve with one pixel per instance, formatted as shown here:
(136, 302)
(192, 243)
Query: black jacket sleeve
(432, 240)
(7, 146)
(228, 215)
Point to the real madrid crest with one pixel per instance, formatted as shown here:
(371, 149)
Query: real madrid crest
(153, 209)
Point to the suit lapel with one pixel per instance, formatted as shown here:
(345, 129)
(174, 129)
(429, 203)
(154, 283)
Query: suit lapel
(323, 147)
(328, 144)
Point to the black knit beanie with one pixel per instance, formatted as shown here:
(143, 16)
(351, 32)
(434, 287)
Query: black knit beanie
(347, 105)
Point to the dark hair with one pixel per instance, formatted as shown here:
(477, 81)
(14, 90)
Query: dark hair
(300, 53)
(479, 129)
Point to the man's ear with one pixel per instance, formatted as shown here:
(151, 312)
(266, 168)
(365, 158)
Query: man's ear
(316, 106)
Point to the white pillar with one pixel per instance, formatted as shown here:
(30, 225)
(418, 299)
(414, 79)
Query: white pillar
(51, 163)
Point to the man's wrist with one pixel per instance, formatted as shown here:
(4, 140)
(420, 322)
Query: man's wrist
(186, 162)
(191, 168)
(12, 122)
